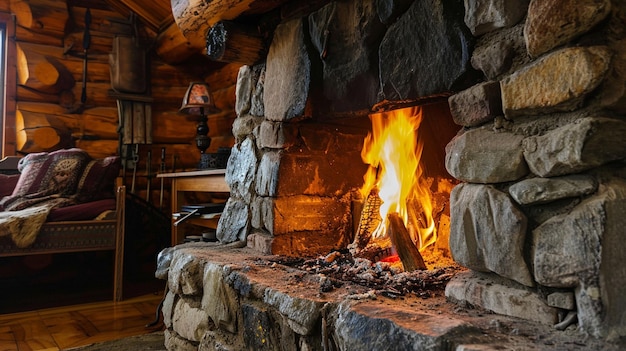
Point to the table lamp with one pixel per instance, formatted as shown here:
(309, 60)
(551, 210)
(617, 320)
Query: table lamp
(198, 101)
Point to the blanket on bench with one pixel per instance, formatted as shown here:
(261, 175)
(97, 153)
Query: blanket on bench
(53, 180)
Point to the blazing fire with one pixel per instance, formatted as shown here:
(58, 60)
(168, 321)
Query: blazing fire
(393, 152)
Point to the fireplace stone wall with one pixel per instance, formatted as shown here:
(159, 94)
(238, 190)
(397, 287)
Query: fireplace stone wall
(538, 90)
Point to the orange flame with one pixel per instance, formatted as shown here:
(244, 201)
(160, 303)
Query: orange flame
(393, 152)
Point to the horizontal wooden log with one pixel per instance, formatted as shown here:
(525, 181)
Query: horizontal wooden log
(41, 72)
(38, 132)
(100, 43)
(97, 94)
(42, 16)
(228, 41)
(172, 46)
(223, 77)
(180, 128)
(98, 63)
(28, 36)
(195, 17)
(65, 98)
(98, 148)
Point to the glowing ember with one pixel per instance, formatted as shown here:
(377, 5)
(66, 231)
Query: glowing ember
(393, 152)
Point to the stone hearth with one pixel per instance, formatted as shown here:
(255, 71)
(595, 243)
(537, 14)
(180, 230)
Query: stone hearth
(227, 299)
(536, 91)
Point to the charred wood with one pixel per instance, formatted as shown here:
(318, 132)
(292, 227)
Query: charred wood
(401, 241)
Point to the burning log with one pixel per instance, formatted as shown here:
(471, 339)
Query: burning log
(370, 219)
(401, 240)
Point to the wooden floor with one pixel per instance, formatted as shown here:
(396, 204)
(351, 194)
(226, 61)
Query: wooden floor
(71, 326)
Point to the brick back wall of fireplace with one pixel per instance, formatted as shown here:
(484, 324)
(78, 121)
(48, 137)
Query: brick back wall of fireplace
(536, 90)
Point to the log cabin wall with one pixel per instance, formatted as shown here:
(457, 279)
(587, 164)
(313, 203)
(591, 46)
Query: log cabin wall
(50, 115)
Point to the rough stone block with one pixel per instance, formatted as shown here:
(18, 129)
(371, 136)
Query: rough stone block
(244, 126)
(260, 242)
(439, 37)
(267, 173)
(553, 23)
(219, 300)
(286, 90)
(487, 232)
(350, 70)
(557, 82)
(563, 300)
(243, 90)
(476, 105)
(182, 277)
(482, 155)
(260, 329)
(589, 142)
(501, 296)
(393, 327)
(276, 135)
(543, 190)
(241, 169)
(233, 225)
(303, 314)
(485, 16)
(189, 320)
(581, 249)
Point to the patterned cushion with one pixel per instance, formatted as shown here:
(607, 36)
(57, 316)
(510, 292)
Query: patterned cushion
(56, 172)
(98, 179)
(61, 178)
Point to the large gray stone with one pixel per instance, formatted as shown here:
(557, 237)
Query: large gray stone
(482, 16)
(244, 126)
(487, 232)
(582, 249)
(544, 190)
(234, 223)
(224, 314)
(346, 35)
(303, 314)
(500, 52)
(267, 175)
(393, 327)
(426, 51)
(241, 169)
(553, 23)
(557, 82)
(500, 296)
(243, 90)
(585, 144)
(190, 321)
(276, 135)
(286, 90)
(482, 155)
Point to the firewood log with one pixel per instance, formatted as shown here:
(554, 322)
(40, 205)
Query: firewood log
(401, 241)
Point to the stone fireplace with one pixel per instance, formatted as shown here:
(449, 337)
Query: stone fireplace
(524, 105)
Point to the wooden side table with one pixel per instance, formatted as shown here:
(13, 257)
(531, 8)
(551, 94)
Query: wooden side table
(211, 180)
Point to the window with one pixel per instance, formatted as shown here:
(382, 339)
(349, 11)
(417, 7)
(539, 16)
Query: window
(8, 84)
